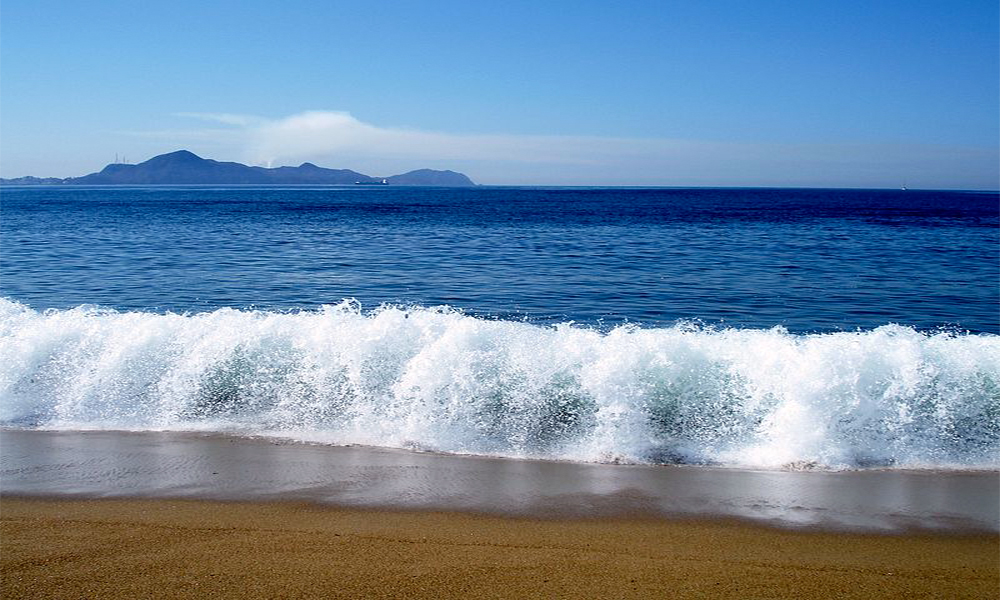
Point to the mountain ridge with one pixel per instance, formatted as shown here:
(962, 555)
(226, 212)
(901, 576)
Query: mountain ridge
(183, 167)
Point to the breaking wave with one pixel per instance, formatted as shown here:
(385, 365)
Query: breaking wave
(437, 379)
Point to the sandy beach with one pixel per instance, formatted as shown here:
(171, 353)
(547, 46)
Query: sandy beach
(125, 515)
(199, 549)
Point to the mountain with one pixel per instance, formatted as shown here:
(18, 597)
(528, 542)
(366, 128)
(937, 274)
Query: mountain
(174, 168)
(310, 173)
(29, 180)
(184, 167)
(431, 177)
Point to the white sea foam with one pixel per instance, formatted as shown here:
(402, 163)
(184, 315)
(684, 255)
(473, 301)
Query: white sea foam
(438, 379)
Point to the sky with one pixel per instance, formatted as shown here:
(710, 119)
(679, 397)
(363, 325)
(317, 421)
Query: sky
(675, 93)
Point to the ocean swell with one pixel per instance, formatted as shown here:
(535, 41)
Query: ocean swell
(437, 379)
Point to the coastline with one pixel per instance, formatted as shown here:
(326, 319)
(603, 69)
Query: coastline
(218, 467)
(184, 548)
(116, 514)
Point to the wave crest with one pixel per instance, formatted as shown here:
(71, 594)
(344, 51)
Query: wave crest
(434, 378)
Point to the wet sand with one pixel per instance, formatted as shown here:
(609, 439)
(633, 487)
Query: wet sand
(126, 515)
(204, 549)
(109, 464)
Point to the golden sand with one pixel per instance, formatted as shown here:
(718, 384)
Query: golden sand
(198, 549)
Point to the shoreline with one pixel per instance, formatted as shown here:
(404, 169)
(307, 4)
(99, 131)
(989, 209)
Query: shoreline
(282, 439)
(193, 515)
(187, 548)
(214, 467)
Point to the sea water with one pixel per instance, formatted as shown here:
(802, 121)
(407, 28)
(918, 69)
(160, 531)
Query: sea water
(822, 329)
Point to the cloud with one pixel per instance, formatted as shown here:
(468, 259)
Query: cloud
(314, 134)
(224, 118)
(338, 139)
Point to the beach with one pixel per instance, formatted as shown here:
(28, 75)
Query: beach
(198, 549)
(128, 514)
(390, 391)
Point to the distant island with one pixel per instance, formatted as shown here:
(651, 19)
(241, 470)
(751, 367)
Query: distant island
(184, 167)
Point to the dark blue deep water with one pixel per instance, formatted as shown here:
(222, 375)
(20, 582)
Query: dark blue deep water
(810, 260)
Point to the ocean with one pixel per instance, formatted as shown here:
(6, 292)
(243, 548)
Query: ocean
(752, 328)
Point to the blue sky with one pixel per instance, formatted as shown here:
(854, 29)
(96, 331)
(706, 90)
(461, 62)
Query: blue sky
(587, 93)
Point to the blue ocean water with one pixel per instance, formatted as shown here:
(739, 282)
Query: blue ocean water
(809, 260)
(768, 328)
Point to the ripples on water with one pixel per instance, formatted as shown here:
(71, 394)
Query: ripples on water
(810, 260)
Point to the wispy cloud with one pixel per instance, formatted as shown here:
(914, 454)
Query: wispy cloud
(224, 118)
(313, 134)
(338, 139)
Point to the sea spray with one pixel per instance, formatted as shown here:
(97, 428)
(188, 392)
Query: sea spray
(437, 379)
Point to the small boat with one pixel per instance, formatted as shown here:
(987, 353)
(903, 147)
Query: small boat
(373, 182)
